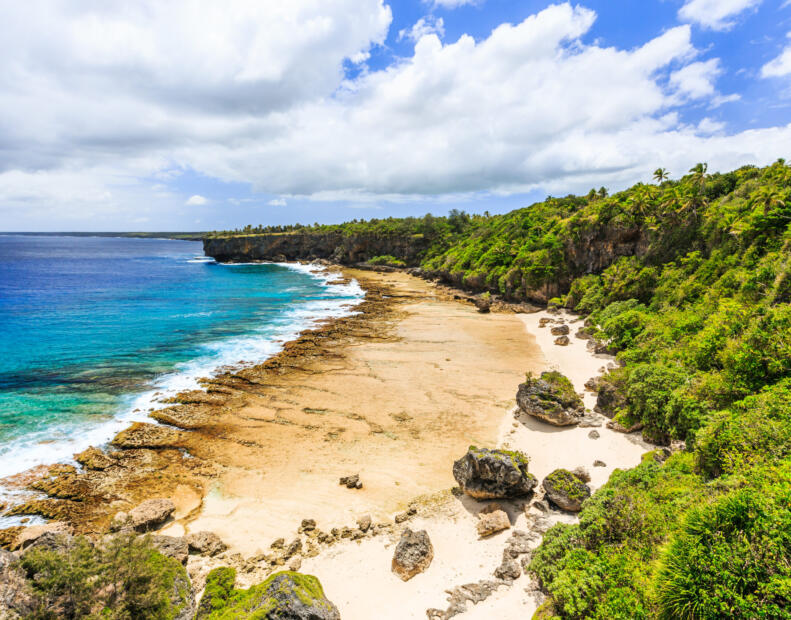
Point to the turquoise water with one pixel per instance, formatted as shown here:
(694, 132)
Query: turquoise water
(92, 328)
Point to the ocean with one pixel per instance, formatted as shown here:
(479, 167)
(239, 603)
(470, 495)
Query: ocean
(95, 330)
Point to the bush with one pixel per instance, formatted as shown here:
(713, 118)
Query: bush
(123, 577)
(388, 260)
(732, 559)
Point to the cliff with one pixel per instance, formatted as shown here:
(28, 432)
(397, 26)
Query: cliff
(333, 246)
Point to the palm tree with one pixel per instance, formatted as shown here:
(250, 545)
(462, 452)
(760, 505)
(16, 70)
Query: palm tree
(699, 173)
(661, 175)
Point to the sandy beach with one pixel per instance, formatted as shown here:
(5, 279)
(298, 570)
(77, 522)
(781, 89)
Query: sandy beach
(395, 393)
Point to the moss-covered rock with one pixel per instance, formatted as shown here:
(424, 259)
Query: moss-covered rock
(566, 490)
(494, 474)
(551, 398)
(219, 587)
(283, 596)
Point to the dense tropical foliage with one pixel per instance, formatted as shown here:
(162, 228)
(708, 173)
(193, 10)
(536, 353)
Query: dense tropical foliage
(690, 281)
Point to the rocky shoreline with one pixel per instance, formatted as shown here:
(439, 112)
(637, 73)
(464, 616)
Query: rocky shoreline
(170, 460)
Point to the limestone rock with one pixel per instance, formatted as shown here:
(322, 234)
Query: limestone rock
(30, 535)
(174, 547)
(205, 543)
(147, 516)
(413, 554)
(560, 330)
(508, 570)
(565, 490)
(594, 435)
(562, 341)
(145, 435)
(491, 520)
(598, 463)
(364, 523)
(483, 304)
(551, 398)
(493, 474)
(93, 458)
(352, 482)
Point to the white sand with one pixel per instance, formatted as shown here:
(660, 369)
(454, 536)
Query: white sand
(356, 576)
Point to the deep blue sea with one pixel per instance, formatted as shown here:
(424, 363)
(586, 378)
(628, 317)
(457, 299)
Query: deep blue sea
(91, 328)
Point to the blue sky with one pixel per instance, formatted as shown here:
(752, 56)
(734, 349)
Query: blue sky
(154, 117)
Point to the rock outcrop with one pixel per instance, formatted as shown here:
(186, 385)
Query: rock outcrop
(147, 516)
(205, 543)
(566, 490)
(551, 398)
(16, 594)
(413, 554)
(494, 474)
(491, 520)
(286, 595)
(31, 535)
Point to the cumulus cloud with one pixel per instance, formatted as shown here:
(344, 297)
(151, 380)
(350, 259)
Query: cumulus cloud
(96, 100)
(715, 14)
(424, 26)
(197, 200)
(780, 66)
(277, 202)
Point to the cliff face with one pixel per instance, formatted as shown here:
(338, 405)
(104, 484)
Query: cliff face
(336, 247)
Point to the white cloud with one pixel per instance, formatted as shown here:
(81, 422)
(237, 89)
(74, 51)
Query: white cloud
(196, 200)
(709, 126)
(780, 66)
(696, 80)
(452, 4)
(427, 25)
(277, 202)
(715, 14)
(94, 104)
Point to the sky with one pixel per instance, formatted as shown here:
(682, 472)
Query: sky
(202, 115)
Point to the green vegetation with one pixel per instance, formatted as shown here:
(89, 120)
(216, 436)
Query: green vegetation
(689, 281)
(124, 577)
(390, 261)
(566, 482)
(269, 596)
(561, 390)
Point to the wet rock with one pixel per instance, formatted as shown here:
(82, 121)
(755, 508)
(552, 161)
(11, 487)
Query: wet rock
(562, 341)
(551, 398)
(493, 474)
(94, 459)
(149, 515)
(560, 330)
(598, 463)
(491, 520)
(352, 482)
(565, 490)
(413, 554)
(594, 435)
(174, 547)
(145, 435)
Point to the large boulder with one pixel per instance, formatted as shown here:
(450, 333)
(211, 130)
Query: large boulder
(566, 490)
(205, 543)
(551, 398)
(413, 554)
(149, 515)
(493, 474)
(286, 595)
(30, 535)
(172, 547)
